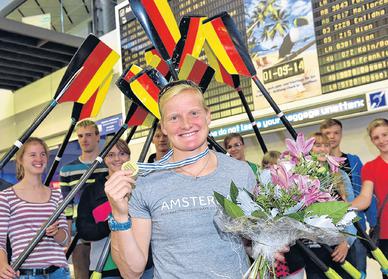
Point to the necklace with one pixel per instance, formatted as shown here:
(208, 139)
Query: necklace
(196, 176)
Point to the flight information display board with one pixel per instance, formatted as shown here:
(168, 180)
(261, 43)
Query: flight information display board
(352, 42)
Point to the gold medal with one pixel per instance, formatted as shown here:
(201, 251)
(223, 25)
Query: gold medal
(132, 166)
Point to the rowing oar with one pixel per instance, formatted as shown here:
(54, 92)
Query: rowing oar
(87, 70)
(377, 254)
(345, 265)
(233, 81)
(226, 43)
(77, 107)
(327, 270)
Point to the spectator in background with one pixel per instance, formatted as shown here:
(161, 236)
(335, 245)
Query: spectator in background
(234, 145)
(161, 143)
(24, 208)
(270, 158)
(332, 128)
(88, 139)
(375, 181)
(93, 211)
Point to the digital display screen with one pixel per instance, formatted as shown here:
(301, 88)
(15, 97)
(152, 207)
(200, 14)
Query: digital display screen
(352, 42)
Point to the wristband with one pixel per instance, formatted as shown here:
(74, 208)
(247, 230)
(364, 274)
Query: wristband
(116, 226)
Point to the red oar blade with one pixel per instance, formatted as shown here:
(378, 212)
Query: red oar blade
(197, 71)
(155, 60)
(143, 89)
(226, 43)
(94, 60)
(92, 107)
(220, 75)
(192, 39)
(146, 87)
(159, 24)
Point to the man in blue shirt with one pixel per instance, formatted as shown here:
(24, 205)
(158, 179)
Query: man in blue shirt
(332, 128)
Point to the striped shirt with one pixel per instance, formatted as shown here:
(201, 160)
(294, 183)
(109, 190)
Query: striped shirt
(70, 175)
(21, 220)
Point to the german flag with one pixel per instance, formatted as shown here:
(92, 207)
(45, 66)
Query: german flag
(221, 75)
(94, 60)
(192, 39)
(92, 107)
(197, 71)
(159, 23)
(140, 116)
(146, 87)
(226, 43)
(154, 59)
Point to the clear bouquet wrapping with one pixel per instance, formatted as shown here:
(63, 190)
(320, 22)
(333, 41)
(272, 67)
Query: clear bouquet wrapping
(299, 201)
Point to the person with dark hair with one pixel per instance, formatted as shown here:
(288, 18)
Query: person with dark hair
(24, 208)
(235, 146)
(374, 182)
(174, 208)
(332, 128)
(88, 139)
(161, 143)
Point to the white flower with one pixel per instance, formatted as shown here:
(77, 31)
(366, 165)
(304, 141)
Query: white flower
(246, 203)
(274, 212)
(320, 222)
(347, 219)
(295, 208)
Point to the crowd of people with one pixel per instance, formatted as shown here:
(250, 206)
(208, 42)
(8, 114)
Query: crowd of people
(161, 224)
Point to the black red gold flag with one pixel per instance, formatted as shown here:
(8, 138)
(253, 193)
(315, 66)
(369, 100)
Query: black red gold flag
(192, 39)
(143, 89)
(96, 60)
(146, 87)
(159, 23)
(225, 40)
(197, 71)
(154, 59)
(140, 116)
(226, 43)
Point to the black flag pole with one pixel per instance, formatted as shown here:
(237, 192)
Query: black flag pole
(130, 134)
(77, 108)
(236, 81)
(148, 141)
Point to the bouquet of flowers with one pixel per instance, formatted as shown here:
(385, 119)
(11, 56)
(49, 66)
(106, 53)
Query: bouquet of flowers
(298, 202)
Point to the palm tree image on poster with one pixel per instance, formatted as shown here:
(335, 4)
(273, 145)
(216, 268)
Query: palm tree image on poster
(281, 41)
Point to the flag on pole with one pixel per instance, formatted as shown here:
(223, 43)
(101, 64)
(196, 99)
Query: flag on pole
(141, 117)
(146, 87)
(94, 60)
(220, 75)
(197, 71)
(92, 107)
(159, 23)
(192, 39)
(154, 59)
(225, 41)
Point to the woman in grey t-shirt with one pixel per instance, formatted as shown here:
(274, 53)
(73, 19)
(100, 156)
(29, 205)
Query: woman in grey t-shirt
(174, 209)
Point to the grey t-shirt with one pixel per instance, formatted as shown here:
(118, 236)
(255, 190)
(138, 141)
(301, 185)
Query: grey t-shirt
(185, 240)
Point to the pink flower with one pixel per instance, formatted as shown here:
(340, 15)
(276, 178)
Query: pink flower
(310, 190)
(300, 147)
(334, 162)
(280, 176)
